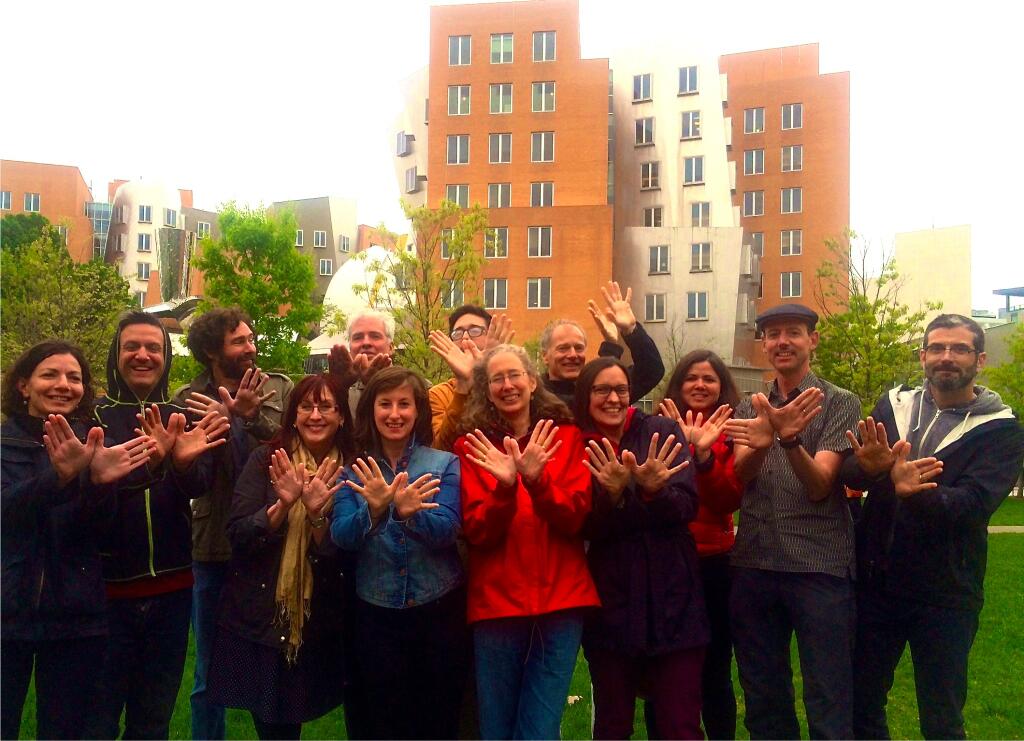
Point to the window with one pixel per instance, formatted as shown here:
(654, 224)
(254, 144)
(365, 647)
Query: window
(792, 200)
(119, 240)
(658, 259)
(146, 214)
(319, 239)
(499, 195)
(757, 244)
(501, 97)
(753, 162)
(652, 216)
(412, 180)
(458, 100)
(140, 299)
(542, 194)
(792, 242)
(793, 158)
(298, 237)
(499, 148)
(496, 293)
(693, 170)
(793, 116)
(459, 48)
(32, 202)
(452, 294)
(170, 217)
(458, 149)
(753, 203)
(700, 213)
(326, 266)
(344, 243)
(144, 244)
(403, 144)
(654, 307)
(446, 250)
(542, 146)
(538, 241)
(538, 293)
(458, 194)
(501, 48)
(5, 200)
(648, 175)
(691, 125)
(792, 284)
(687, 80)
(543, 46)
(696, 305)
(753, 120)
(641, 87)
(203, 229)
(142, 271)
(644, 131)
(62, 232)
(543, 97)
(700, 257)
(496, 242)
(98, 247)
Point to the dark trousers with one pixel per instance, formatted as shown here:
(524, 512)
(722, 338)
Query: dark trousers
(766, 608)
(65, 686)
(271, 731)
(207, 717)
(940, 641)
(411, 666)
(144, 663)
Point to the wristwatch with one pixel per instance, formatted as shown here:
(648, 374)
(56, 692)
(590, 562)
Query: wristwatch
(790, 443)
(319, 522)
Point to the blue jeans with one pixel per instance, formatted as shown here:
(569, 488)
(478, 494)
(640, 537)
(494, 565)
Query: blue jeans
(207, 718)
(524, 666)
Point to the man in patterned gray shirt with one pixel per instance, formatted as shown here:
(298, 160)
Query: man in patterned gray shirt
(794, 554)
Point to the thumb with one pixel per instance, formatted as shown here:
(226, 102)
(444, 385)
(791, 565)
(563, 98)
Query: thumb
(629, 460)
(94, 439)
(225, 396)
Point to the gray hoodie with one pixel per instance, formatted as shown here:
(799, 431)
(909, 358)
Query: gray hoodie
(932, 426)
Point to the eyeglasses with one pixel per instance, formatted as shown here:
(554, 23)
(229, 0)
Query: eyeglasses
(511, 377)
(959, 350)
(475, 331)
(324, 408)
(603, 391)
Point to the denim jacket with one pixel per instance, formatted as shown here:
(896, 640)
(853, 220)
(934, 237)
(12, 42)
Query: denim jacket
(404, 563)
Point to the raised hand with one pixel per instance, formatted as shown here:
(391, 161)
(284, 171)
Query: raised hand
(459, 359)
(669, 409)
(496, 462)
(205, 435)
(365, 368)
(286, 479)
(756, 433)
(540, 448)
(69, 455)
(616, 318)
(152, 425)
(657, 469)
(792, 419)
(377, 492)
(341, 366)
(499, 331)
(412, 498)
(249, 397)
(911, 477)
(607, 468)
(319, 488)
(872, 450)
(110, 464)
(701, 433)
(201, 405)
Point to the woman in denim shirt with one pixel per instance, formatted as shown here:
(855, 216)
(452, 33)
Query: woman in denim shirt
(399, 510)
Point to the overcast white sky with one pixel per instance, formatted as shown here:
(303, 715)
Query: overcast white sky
(263, 101)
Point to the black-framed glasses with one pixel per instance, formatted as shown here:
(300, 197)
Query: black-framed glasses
(958, 350)
(475, 331)
(603, 391)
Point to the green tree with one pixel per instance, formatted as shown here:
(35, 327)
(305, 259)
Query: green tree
(420, 288)
(255, 266)
(869, 344)
(1007, 379)
(48, 295)
(20, 230)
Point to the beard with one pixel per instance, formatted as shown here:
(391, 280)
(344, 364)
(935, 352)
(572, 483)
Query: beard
(235, 367)
(963, 377)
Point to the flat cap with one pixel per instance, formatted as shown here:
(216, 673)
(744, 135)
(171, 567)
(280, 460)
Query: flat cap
(787, 311)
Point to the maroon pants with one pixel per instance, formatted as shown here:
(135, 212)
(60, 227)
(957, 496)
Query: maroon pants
(671, 681)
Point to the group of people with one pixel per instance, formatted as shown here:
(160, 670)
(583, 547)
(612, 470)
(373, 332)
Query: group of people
(434, 557)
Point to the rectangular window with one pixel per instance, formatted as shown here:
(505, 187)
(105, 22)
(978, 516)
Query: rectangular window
(652, 216)
(793, 158)
(146, 214)
(62, 232)
(644, 131)
(648, 175)
(499, 148)
(792, 242)
(538, 241)
(499, 195)
(496, 293)
(326, 266)
(654, 307)
(298, 237)
(542, 146)
(458, 100)
(496, 242)
(170, 217)
(543, 97)
(5, 200)
(542, 194)
(696, 305)
(345, 243)
(793, 116)
(753, 120)
(403, 144)
(32, 202)
(538, 293)
(446, 237)
(641, 87)
(693, 170)
(142, 271)
(458, 149)
(792, 284)
(458, 194)
(319, 238)
(144, 244)
(687, 80)
(452, 294)
(140, 299)
(757, 244)
(700, 257)
(543, 46)
(658, 254)
(412, 180)
(501, 97)
(691, 125)
(459, 48)
(700, 213)
(203, 229)
(792, 200)
(501, 48)
(97, 247)
(753, 162)
(753, 203)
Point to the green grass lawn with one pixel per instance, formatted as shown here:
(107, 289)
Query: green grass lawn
(1011, 512)
(993, 708)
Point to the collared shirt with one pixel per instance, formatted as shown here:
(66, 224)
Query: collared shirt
(780, 528)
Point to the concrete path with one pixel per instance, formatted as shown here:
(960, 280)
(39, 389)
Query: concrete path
(1006, 528)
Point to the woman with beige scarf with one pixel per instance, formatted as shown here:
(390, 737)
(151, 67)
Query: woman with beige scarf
(279, 651)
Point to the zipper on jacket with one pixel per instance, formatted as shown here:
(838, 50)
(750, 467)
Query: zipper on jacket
(931, 424)
(149, 532)
(42, 581)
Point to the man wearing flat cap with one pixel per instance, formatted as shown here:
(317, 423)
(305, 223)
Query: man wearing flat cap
(794, 552)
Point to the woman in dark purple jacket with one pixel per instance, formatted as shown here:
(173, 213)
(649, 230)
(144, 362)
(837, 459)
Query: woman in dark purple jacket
(652, 627)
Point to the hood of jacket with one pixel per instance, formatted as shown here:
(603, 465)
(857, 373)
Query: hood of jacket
(117, 387)
(930, 429)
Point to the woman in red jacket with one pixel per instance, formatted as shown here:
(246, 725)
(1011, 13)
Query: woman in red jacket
(701, 395)
(525, 495)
